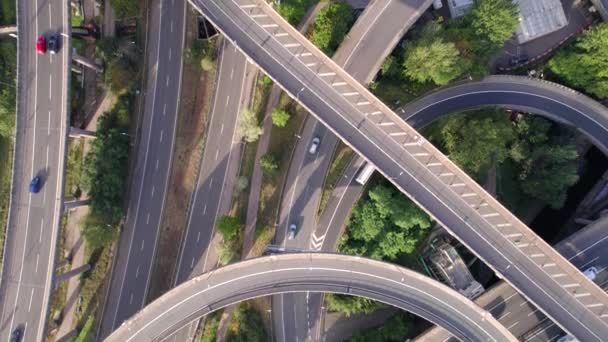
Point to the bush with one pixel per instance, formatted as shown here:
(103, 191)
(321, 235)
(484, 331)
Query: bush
(265, 81)
(269, 163)
(249, 126)
(227, 254)
(332, 25)
(229, 226)
(241, 184)
(125, 8)
(280, 117)
(212, 323)
(351, 305)
(246, 325)
(121, 74)
(207, 63)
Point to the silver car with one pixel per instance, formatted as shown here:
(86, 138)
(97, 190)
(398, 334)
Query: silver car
(314, 146)
(291, 231)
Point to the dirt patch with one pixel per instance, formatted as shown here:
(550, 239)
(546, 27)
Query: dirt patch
(196, 91)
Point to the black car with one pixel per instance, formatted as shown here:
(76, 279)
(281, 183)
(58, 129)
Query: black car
(53, 43)
(16, 335)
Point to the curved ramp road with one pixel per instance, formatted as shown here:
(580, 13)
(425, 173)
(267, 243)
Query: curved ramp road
(335, 273)
(405, 158)
(548, 99)
(40, 147)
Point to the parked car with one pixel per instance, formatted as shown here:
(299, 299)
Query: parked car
(41, 45)
(35, 185)
(291, 231)
(591, 273)
(314, 146)
(16, 335)
(53, 43)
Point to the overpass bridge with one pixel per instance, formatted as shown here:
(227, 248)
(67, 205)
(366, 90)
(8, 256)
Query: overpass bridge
(316, 272)
(414, 165)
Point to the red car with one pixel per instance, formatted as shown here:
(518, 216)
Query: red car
(41, 45)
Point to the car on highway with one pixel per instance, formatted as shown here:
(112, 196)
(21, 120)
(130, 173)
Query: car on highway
(53, 43)
(291, 231)
(16, 335)
(591, 273)
(35, 185)
(314, 146)
(41, 45)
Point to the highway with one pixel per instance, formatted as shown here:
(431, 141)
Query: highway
(133, 264)
(219, 165)
(372, 38)
(544, 98)
(584, 249)
(40, 149)
(358, 276)
(472, 215)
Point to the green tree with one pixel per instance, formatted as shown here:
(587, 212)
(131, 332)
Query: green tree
(436, 60)
(246, 325)
(268, 163)
(398, 328)
(385, 225)
(547, 158)
(585, 64)
(293, 10)
(493, 22)
(125, 8)
(477, 140)
(249, 127)
(229, 226)
(207, 63)
(332, 25)
(351, 305)
(105, 170)
(280, 117)
(212, 323)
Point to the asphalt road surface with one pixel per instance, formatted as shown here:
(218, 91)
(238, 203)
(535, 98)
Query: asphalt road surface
(548, 99)
(133, 266)
(389, 283)
(41, 136)
(584, 249)
(371, 39)
(219, 165)
(472, 215)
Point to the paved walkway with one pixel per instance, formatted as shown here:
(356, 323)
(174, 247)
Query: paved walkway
(74, 246)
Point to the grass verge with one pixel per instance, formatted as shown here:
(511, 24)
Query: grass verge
(6, 164)
(58, 297)
(195, 99)
(282, 143)
(73, 175)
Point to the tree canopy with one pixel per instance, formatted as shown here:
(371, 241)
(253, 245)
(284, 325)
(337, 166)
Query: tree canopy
(280, 117)
(476, 140)
(125, 8)
(249, 127)
(547, 160)
(493, 22)
(585, 64)
(294, 10)
(385, 225)
(332, 25)
(397, 329)
(246, 325)
(229, 226)
(351, 305)
(435, 60)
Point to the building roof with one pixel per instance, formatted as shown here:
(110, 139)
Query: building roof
(538, 18)
(459, 7)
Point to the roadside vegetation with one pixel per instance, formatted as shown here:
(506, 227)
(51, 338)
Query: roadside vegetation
(332, 25)
(125, 8)
(584, 64)
(294, 10)
(536, 158)
(7, 13)
(246, 325)
(230, 228)
(384, 225)
(74, 167)
(393, 330)
(212, 323)
(8, 93)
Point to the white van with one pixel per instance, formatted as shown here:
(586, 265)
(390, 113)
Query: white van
(366, 171)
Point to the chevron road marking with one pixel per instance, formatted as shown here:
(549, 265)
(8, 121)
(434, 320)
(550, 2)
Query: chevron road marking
(317, 242)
